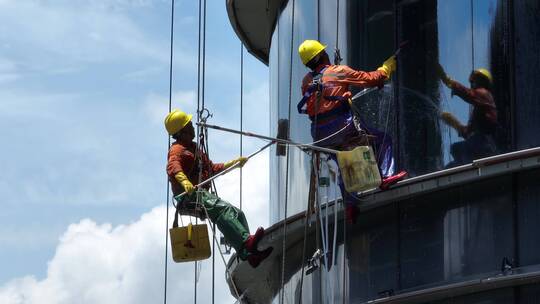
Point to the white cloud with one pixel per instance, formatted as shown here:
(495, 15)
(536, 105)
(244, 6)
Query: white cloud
(99, 263)
(56, 34)
(255, 176)
(8, 71)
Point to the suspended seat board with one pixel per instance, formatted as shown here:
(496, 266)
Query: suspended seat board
(189, 243)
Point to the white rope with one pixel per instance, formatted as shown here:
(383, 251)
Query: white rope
(222, 257)
(324, 231)
(323, 139)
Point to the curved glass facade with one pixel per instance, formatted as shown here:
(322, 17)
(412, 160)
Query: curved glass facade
(460, 36)
(447, 236)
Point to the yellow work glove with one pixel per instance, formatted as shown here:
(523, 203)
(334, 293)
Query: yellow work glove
(453, 122)
(388, 67)
(444, 77)
(184, 181)
(241, 160)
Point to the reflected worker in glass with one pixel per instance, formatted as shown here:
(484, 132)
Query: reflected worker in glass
(479, 132)
(327, 101)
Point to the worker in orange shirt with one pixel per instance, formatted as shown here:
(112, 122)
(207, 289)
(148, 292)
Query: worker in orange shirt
(186, 165)
(479, 132)
(327, 101)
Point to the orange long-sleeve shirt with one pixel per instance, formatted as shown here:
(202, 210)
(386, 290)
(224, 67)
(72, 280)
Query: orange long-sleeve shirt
(182, 159)
(336, 80)
(484, 114)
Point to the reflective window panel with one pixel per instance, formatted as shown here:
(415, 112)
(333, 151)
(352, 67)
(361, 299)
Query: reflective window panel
(372, 253)
(456, 233)
(454, 103)
(528, 208)
(274, 117)
(527, 47)
(305, 13)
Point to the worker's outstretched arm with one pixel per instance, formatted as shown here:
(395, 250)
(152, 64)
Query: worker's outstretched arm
(453, 122)
(218, 167)
(388, 67)
(345, 74)
(443, 76)
(476, 97)
(467, 94)
(240, 160)
(367, 79)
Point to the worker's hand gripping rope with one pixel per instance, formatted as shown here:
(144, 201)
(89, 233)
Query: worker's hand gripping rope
(184, 181)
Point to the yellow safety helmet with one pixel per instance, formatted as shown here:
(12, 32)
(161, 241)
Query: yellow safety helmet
(309, 49)
(176, 121)
(485, 73)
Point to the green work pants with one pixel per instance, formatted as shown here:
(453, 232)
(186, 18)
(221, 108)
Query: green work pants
(230, 220)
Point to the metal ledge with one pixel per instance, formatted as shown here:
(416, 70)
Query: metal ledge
(521, 277)
(260, 285)
(479, 169)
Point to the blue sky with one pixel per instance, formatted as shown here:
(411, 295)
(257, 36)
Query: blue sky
(83, 91)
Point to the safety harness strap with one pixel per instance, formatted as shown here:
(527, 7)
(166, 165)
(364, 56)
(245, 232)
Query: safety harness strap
(317, 85)
(343, 108)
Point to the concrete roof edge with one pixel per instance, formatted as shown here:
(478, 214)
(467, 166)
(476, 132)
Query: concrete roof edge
(241, 32)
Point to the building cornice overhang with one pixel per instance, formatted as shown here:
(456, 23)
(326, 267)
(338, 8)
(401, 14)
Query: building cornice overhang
(254, 21)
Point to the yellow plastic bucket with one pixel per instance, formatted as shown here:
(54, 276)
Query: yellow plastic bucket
(359, 169)
(190, 243)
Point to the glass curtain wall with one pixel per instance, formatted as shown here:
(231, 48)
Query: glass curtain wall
(433, 126)
(430, 109)
(301, 22)
(275, 159)
(445, 123)
(286, 68)
(447, 236)
(526, 46)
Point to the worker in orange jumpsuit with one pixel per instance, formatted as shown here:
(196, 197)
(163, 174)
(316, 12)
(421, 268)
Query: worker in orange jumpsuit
(327, 101)
(187, 165)
(479, 132)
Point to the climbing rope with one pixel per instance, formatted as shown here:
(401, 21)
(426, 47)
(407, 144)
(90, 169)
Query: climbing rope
(200, 106)
(326, 237)
(241, 112)
(223, 259)
(472, 33)
(168, 146)
(287, 161)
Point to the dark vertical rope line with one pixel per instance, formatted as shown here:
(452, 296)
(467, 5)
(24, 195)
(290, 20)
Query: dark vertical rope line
(241, 112)
(287, 160)
(472, 45)
(168, 145)
(337, 25)
(344, 278)
(198, 129)
(202, 79)
(213, 262)
(397, 101)
(307, 215)
(203, 56)
(199, 70)
(318, 20)
(472, 33)
(397, 150)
